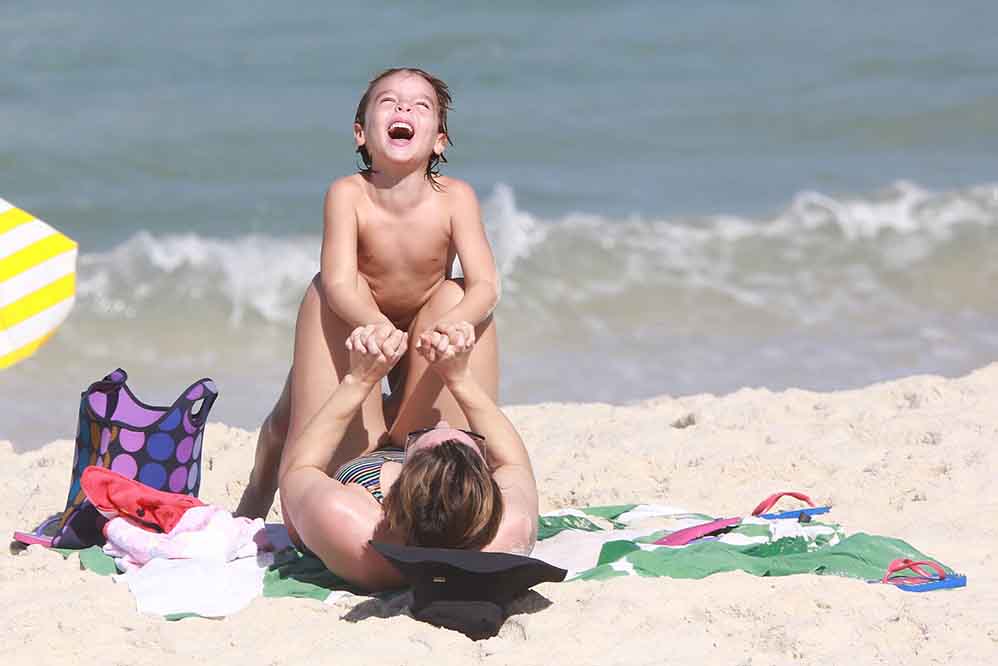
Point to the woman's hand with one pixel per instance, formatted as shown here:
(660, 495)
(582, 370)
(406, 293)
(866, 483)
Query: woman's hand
(448, 353)
(371, 358)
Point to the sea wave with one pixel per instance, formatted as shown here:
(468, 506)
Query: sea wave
(822, 256)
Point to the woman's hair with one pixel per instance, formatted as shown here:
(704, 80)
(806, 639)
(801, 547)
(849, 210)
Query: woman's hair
(445, 497)
(443, 105)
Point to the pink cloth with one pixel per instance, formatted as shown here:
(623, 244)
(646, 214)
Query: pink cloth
(203, 533)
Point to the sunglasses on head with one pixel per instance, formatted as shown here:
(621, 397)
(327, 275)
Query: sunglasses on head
(415, 434)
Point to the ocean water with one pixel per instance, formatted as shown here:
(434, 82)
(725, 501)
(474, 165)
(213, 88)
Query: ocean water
(691, 197)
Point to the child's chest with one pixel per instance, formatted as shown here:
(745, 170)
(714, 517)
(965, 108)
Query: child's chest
(418, 240)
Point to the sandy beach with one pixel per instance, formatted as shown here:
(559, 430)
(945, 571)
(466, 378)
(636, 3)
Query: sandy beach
(913, 459)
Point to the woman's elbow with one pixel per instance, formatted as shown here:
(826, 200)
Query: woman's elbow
(517, 534)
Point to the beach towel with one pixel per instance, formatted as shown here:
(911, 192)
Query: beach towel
(596, 543)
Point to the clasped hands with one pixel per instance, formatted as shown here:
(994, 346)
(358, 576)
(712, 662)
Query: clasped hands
(376, 348)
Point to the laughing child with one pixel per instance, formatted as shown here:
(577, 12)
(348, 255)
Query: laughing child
(390, 236)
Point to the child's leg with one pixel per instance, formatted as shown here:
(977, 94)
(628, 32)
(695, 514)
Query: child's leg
(425, 401)
(321, 360)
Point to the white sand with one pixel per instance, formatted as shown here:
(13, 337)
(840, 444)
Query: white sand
(912, 459)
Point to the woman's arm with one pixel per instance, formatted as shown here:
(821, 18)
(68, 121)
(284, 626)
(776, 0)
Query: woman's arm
(508, 458)
(505, 452)
(334, 520)
(313, 447)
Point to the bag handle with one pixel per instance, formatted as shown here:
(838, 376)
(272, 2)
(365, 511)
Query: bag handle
(767, 504)
(109, 386)
(203, 391)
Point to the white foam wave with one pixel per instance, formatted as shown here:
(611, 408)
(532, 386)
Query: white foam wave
(904, 208)
(511, 231)
(251, 273)
(814, 260)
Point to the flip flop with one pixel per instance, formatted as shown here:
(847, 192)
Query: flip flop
(688, 534)
(923, 581)
(41, 535)
(767, 504)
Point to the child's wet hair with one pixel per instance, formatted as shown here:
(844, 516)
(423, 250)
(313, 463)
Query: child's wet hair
(443, 105)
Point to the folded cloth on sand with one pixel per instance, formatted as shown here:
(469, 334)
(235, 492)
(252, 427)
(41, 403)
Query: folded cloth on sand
(116, 496)
(207, 533)
(208, 588)
(210, 564)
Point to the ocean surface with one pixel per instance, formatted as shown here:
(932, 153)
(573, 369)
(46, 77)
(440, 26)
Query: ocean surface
(682, 197)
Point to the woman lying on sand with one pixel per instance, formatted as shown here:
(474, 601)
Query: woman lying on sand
(448, 471)
(350, 466)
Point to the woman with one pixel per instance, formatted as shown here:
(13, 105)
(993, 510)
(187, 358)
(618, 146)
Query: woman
(450, 470)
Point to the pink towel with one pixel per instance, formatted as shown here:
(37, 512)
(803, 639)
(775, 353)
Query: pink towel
(203, 533)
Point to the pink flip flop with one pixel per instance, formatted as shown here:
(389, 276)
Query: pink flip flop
(41, 535)
(688, 534)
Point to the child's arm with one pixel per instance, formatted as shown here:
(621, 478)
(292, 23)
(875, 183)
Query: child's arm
(481, 279)
(339, 257)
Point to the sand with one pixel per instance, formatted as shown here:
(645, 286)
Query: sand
(912, 458)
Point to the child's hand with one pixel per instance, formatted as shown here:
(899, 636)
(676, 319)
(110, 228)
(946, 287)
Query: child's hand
(371, 361)
(369, 334)
(460, 335)
(452, 362)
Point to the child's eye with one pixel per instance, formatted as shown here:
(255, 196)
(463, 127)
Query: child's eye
(425, 105)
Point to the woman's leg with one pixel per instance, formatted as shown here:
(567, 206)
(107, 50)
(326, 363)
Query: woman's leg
(424, 399)
(320, 362)
(258, 496)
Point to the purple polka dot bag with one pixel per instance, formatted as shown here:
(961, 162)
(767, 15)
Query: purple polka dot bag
(160, 447)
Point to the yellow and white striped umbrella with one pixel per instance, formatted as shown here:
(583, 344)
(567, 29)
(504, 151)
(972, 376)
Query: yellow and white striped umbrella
(37, 282)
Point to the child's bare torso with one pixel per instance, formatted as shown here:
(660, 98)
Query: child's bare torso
(404, 253)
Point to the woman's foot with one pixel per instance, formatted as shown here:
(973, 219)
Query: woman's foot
(254, 503)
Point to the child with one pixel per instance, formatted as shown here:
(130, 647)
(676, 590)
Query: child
(390, 236)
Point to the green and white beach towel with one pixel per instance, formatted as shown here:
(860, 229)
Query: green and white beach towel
(592, 543)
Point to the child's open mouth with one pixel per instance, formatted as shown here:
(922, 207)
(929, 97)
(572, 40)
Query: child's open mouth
(400, 131)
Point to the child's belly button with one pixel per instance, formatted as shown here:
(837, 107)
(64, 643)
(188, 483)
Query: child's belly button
(401, 308)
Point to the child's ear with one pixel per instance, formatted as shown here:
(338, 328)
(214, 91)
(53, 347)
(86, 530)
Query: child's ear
(440, 144)
(358, 135)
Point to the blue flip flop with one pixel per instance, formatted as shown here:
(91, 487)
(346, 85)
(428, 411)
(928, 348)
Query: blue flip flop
(923, 581)
(797, 513)
(767, 504)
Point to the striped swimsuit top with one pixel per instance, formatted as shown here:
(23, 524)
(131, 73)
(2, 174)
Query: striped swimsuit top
(366, 470)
